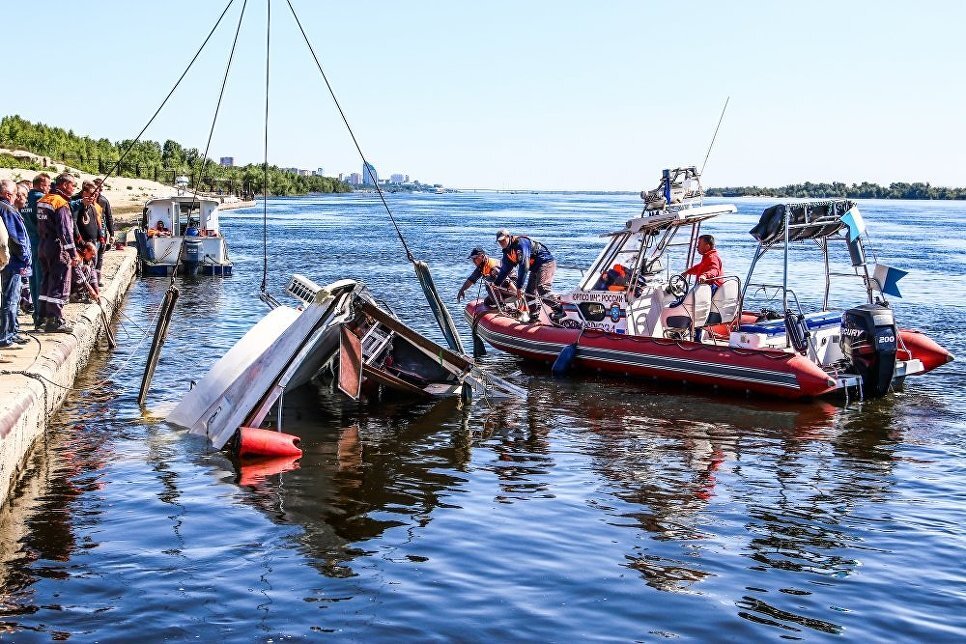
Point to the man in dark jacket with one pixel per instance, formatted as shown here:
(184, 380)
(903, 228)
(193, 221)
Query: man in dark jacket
(11, 277)
(58, 254)
(29, 213)
(534, 263)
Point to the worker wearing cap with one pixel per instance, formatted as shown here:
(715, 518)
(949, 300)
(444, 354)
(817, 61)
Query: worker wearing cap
(534, 262)
(486, 268)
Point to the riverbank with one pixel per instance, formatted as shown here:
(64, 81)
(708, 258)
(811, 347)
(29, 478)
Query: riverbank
(35, 378)
(127, 195)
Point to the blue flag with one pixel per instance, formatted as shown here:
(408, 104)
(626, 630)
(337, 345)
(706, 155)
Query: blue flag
(888, 279)
(853, 219)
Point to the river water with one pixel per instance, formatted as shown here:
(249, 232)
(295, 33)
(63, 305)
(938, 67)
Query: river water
(596, 510)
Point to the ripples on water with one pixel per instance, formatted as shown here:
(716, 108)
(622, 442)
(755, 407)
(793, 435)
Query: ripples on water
(595, 510)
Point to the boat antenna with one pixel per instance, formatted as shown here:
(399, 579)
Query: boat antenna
(720, 118)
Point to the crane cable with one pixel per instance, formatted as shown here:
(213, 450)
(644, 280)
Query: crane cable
(194, 58)
(268, 41)
(211, 131)
(366, 165)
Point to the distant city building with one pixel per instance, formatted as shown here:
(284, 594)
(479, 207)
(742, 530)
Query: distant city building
(342, 176)
(320, 172)
(399, 178)
(355, 179)
(305, 173)
(369, 175)
(227, 162)
(291, 170)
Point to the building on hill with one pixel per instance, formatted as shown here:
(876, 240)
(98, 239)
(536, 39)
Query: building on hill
(227, 162)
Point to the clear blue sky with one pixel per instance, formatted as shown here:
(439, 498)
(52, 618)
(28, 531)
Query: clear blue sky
(536, 94)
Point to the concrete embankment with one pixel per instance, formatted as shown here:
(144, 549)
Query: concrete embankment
(35, 378)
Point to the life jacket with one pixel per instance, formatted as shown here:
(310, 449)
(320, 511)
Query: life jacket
(513, 250)
(617, 278)
(490, 268)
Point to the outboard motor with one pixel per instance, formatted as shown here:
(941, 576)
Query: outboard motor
(869, 341)
(193, 251)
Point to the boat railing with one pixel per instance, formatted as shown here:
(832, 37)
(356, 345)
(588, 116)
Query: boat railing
(778, 289)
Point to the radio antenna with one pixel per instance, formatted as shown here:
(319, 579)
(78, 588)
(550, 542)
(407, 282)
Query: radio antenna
(720, 118)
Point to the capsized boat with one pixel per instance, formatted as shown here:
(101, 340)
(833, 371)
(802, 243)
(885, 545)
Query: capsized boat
(633, 315)
(182, 233)
(339, 332)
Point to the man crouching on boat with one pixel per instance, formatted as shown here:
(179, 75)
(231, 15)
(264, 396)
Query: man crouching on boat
(487, 268)
(535, 267)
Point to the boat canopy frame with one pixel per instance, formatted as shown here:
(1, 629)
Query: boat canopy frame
(816, 220)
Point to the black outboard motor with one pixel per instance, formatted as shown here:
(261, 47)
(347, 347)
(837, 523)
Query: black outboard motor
(869, 340)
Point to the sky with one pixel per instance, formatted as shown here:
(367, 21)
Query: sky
(536, 94)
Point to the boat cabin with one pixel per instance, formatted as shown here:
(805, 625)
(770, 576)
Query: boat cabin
(182, 233)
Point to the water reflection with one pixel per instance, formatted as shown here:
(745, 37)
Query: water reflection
(365, 469)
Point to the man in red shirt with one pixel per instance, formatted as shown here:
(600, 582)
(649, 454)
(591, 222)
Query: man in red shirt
(709, 269)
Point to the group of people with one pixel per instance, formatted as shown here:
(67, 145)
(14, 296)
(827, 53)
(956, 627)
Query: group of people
(52, 241)
(535, 266)
(533, 261)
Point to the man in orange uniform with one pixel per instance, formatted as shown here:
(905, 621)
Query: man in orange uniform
(486, 268)
(55, 227)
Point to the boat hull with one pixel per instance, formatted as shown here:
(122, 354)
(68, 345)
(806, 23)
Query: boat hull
(773, 373)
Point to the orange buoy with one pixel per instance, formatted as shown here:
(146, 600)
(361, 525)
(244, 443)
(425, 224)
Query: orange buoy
(253, 441)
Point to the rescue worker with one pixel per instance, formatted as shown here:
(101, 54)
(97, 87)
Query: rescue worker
(709, 269)
(486, 268)
(12, 276)
(29, 212)
(535, 268)
(613, 279)
(58, 255)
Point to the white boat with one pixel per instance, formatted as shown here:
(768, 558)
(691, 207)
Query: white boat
(338, 333)
(182, 233)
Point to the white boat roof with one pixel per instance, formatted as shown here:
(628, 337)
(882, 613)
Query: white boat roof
(672, 218)
(183, 199)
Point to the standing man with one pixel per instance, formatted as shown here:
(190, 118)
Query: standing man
(58, 255)
(535, 267)
(107, 222)
(19, 265)
(88, 224)
(29, 212)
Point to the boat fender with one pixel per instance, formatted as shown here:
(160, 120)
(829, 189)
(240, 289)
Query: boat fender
(797, 330)
(253, 441)
(562, 364)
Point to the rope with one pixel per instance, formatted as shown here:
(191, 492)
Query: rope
(366, 164)
(170, 94)
(211, 131)
(268, 49)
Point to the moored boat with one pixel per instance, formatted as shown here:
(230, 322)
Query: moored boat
(182, 234)
(633, 315)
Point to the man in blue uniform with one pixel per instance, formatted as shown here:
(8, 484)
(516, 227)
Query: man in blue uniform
(55, 227)
(29, 213)
(534, 263)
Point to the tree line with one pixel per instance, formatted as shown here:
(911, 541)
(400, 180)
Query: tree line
(864, 190)
(156, 161)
